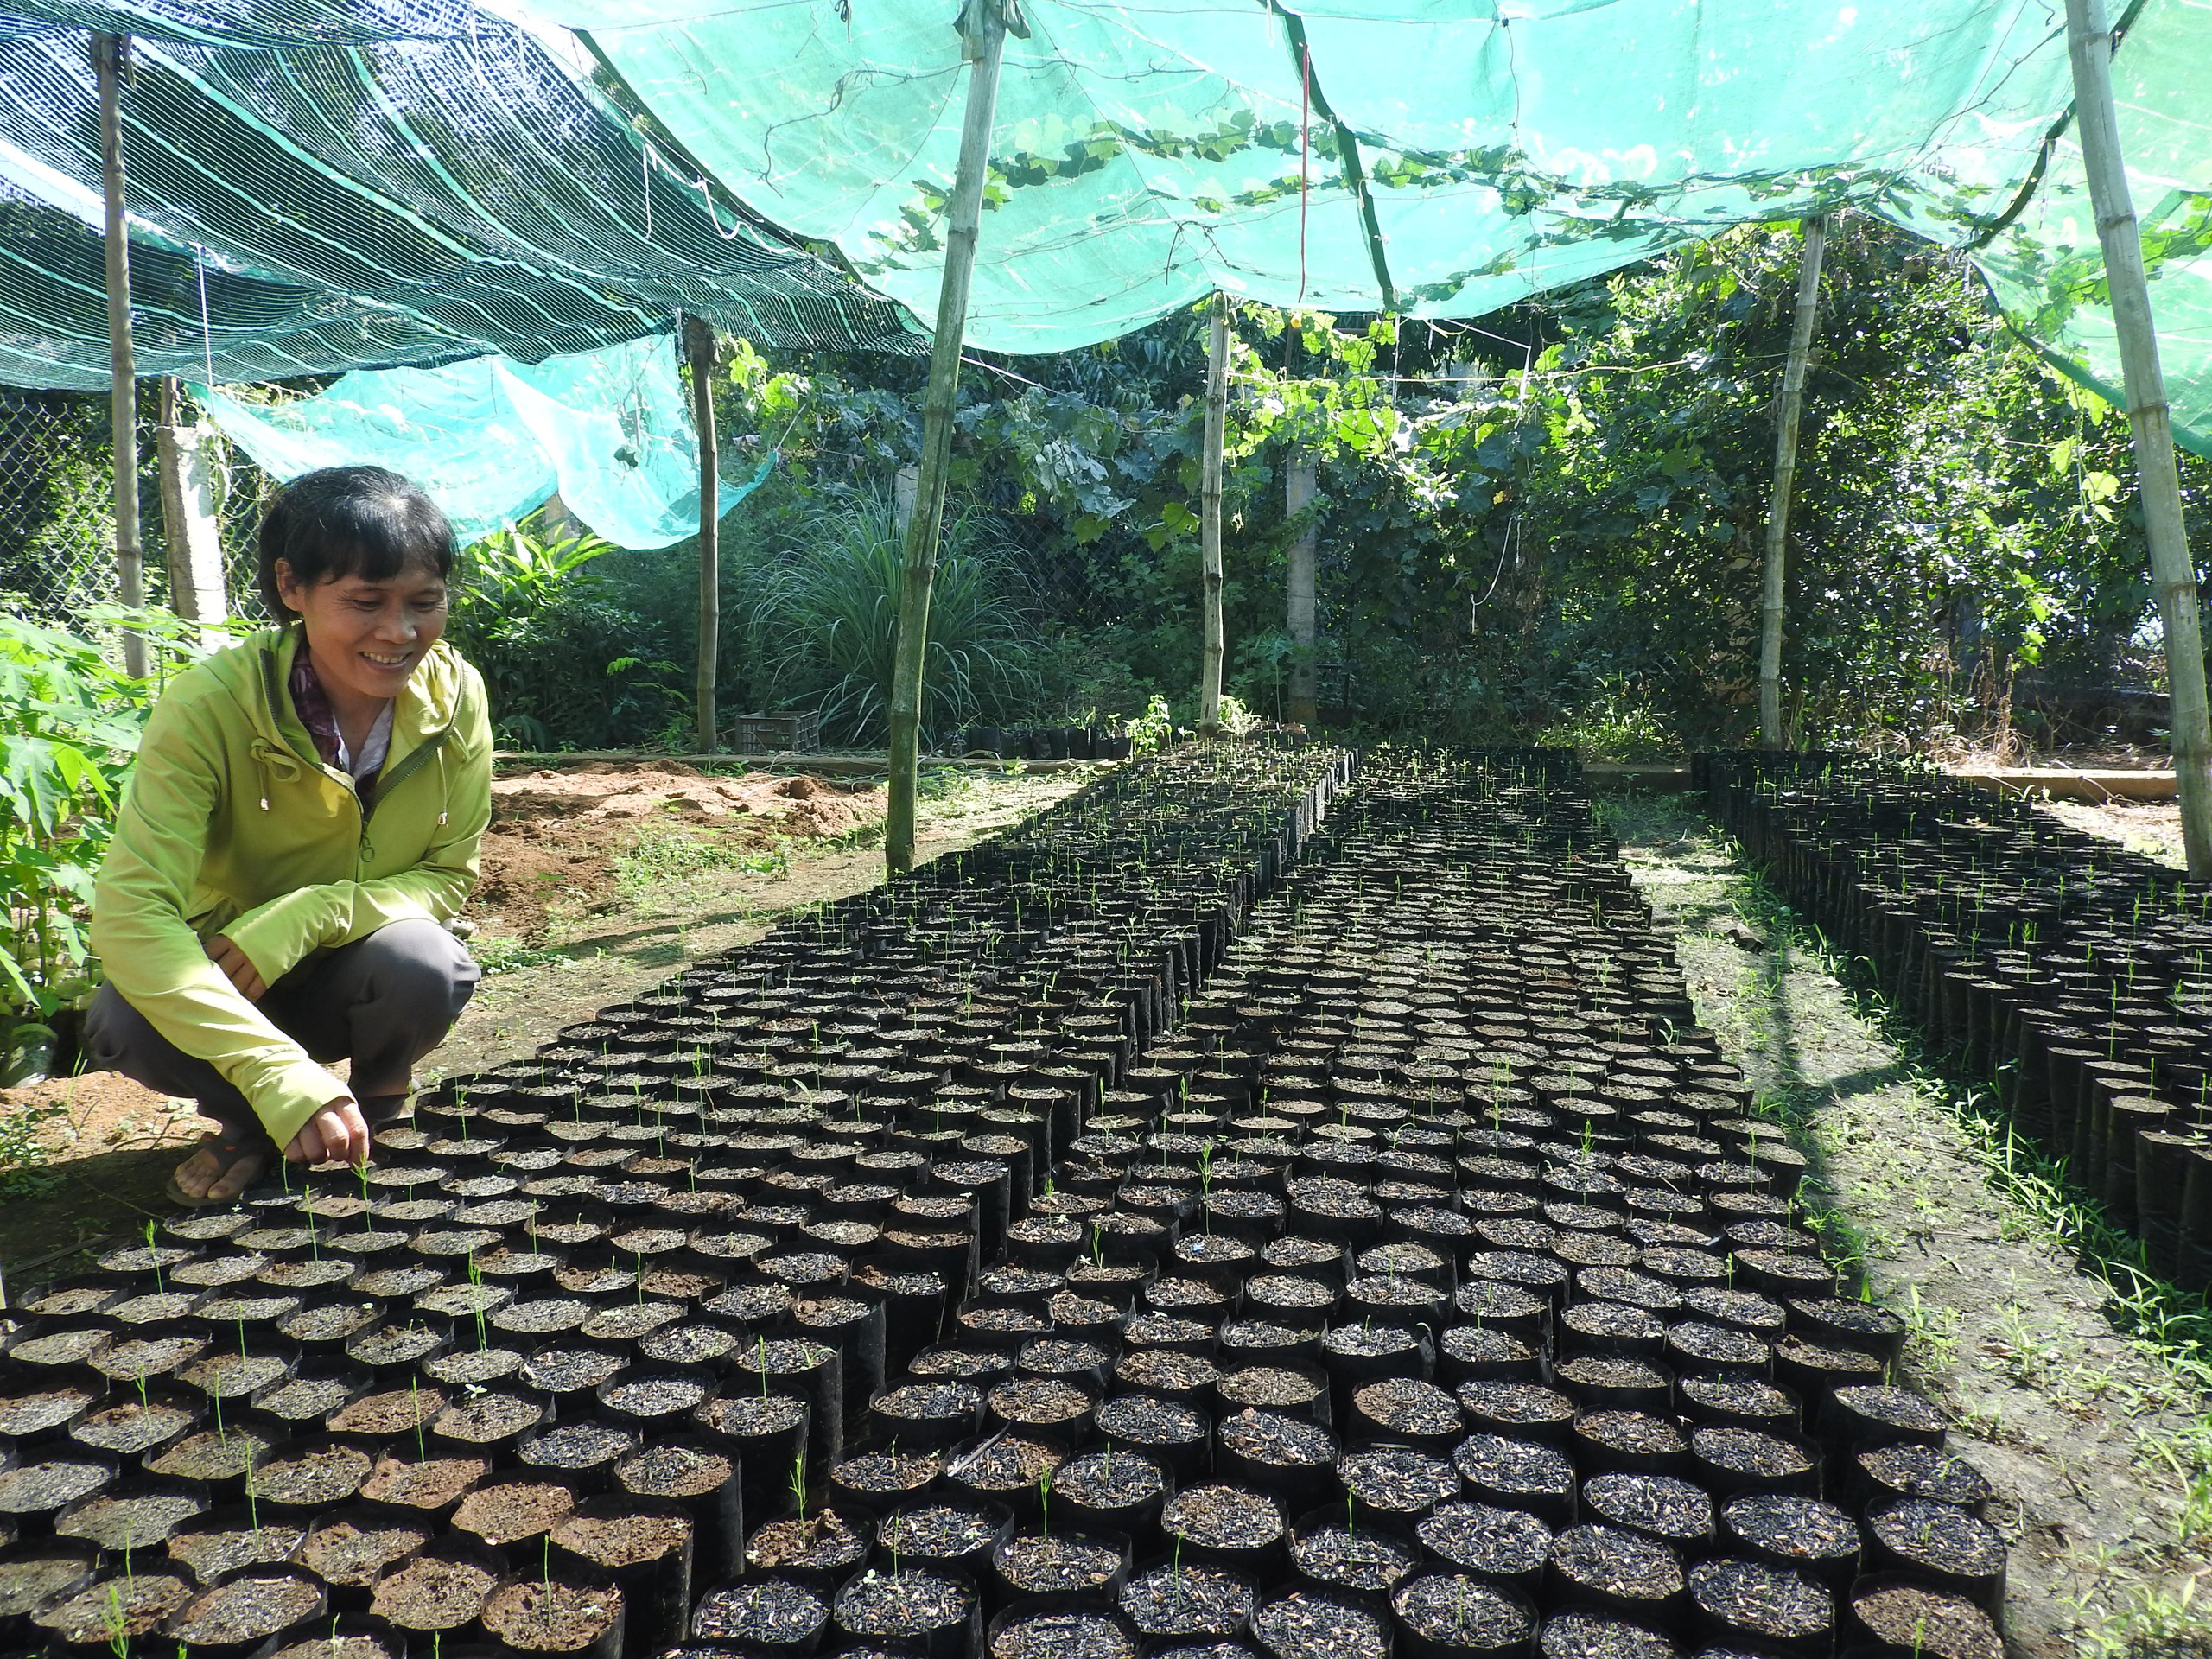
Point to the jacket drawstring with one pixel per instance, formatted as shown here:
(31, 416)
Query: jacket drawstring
(279, 767)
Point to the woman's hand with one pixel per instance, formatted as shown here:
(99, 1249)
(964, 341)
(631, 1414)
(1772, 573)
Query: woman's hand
(338, 1134)
(237, 968)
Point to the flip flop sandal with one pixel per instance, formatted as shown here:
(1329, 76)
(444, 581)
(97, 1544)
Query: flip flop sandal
(231, 1146)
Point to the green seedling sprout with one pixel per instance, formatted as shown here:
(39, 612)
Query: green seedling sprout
(1045, 1503)
(415, 1404)
(154, 1254)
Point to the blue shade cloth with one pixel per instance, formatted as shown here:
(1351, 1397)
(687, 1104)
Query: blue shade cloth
(492, 439)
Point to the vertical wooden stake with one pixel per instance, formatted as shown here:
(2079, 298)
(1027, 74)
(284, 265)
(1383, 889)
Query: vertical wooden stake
(1771, 735)
(2089, 43)
(984, 37)
(191, 534)
(1210, 520)
(1299, 583)
(699, 351)
(108, 54)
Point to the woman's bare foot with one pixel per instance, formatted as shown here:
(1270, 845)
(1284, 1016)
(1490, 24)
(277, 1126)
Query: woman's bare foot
(216, 1173)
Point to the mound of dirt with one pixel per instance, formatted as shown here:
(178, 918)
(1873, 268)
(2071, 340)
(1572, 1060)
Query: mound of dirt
(604, 789)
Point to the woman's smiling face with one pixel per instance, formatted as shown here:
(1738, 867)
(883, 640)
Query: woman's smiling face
(366, 638)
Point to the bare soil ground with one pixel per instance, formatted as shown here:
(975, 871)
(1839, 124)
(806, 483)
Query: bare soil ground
(2081, 1391)
(2151, 828)
(597, 882)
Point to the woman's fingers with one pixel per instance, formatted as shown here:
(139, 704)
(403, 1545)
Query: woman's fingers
(307, 1145)
(338, 1134)
(237, 967)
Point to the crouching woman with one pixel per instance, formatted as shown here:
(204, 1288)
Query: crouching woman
(302, 821)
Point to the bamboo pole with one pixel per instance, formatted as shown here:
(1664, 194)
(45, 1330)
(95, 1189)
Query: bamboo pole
(108, 56)
(1771, 735)
(1299, 583)
(2089, 44)
(699, 349)
(1210, 519)
(983, 30)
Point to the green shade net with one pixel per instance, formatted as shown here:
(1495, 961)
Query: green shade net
(1439, 158)
(491, 439)
(410, 201)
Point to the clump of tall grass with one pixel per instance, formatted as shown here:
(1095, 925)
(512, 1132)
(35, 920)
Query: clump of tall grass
(824, 622)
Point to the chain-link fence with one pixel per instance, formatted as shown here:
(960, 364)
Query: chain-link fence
(57, 510)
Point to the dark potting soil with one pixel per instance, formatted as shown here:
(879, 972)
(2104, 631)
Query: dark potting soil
(949, 1400)
(394, 1411)
(1452, 1609)
(909, 1604)
(958, 1361)
(1309, 1624)
(229, 1376)
(1515, 1404)
(427, 1484)
(1750, 1452)
(1344, 1554)
(1073, 1633)
(314, 1478)
(476, 1365)
(1897, 1408)
(548, 1615)
(1109, 1479)
(1768, 1602)
(487, 1419)
(1917, 1619)
(214, 1454)
(132, 1427)
(1617, 1563)
(1221, 1517)
(570, 1370)
(352, 1550)
(252, 1605)
(1270, 1437)
(1005, 1463)
(1640, 1434)
(1747, 1398)
(775, 1611)
(121, 1608)
(673, 1471)
(1037, 1400)
(1937, 1538)
(820, 1543)
(583, 1444)
(937, 1531)
(1494, 1542)
(1406, 1405)
(888, 1473)
(1513, 1468)
(1397, 1479)
(657, 1394)
(1166, 1370)
(507, 1511)
(1586, 1633)
(432, 1593)
(217, 1554)
(1143, 1419)
(1186, 1599)
(1927, 1472)
(751, 1416)
(1271, 1387)
(341, 1647)
(30, 1579)
(1658, 1506)
(620, 1539)
(1056, 1563)
(1793, 1528)
(34, 1411)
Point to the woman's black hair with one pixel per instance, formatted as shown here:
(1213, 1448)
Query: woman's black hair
(351, 521)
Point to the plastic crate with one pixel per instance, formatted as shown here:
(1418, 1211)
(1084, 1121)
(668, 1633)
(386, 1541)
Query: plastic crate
(793, 734)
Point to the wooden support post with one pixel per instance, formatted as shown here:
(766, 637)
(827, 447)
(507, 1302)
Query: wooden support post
(108, 56)
(1771, 735)
(192, 537)
(2174, 577)
(1209, 580)
(983, 45)
(699, 351)
(1299, 583)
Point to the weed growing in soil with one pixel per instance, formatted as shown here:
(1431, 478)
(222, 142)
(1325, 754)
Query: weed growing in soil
(25, 1158)
(496, 955)
(656, 858)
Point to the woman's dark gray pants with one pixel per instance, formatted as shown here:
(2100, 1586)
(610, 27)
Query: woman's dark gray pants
(383, 1003)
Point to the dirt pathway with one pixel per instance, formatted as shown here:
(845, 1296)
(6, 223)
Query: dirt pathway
(2089, 1418)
